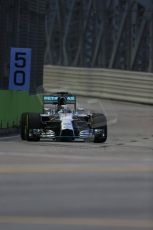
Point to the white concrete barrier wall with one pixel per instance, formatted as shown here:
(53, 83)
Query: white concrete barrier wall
(102, 83)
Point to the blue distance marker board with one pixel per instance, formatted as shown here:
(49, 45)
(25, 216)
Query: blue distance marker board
(20, 68)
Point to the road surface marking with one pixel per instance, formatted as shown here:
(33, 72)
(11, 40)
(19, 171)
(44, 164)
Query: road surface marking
(103, 222)
(80, 169)
(8, 137)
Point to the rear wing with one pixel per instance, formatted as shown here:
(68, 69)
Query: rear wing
(59, 100)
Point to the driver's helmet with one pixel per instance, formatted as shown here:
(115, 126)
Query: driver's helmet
(65, 109)
(47, 110)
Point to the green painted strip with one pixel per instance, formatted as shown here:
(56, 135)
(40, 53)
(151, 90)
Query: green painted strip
(13, 103)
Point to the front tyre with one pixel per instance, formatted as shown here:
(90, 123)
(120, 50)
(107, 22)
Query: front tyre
(33, 122)
(29, 122)
(23, 126)
(99, 125)
(100, 134)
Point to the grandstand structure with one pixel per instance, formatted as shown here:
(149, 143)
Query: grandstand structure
(115, 34)
(100, 33)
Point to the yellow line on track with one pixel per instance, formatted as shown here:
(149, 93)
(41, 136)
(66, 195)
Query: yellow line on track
(79, 169)
(103, 222)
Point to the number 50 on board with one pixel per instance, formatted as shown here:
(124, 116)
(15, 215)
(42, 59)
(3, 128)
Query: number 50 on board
(20, 68)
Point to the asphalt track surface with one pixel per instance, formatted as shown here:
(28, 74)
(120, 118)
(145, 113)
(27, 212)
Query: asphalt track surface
(82, 186)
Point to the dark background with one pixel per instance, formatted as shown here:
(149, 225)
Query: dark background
(114, 34)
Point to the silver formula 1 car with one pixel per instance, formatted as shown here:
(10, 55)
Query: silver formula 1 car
(62, 121)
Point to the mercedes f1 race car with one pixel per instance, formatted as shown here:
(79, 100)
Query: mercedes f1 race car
(62, 121)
